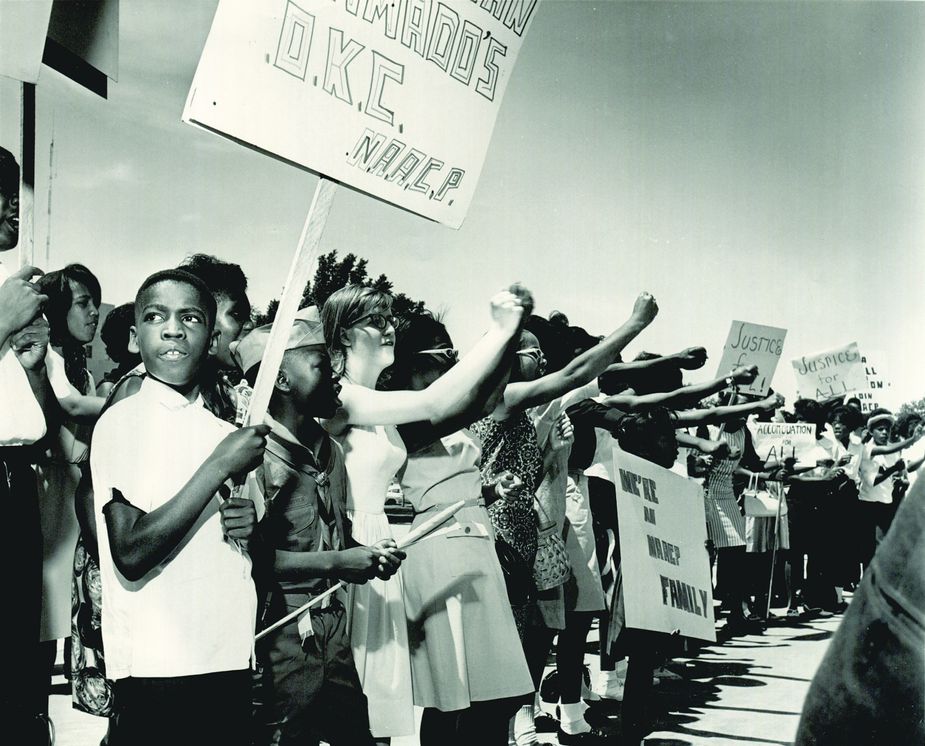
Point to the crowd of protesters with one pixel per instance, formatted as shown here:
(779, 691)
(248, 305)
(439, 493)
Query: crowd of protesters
(136, 547)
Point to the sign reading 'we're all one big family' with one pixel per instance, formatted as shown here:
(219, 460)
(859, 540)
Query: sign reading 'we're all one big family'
(397, 98)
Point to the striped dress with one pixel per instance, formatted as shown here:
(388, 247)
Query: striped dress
(725, 522)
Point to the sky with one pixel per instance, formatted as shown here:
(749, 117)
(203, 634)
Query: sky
(752, 161)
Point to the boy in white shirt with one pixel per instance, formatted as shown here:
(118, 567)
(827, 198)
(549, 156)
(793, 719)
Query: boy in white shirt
(179, 602)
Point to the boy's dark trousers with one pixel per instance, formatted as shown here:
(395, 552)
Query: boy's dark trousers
(311, 691)
(183, 710)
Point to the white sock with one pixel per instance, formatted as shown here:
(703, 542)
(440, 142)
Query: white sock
(611, 678)
(838, 594)
(572, 719)
(524, 727)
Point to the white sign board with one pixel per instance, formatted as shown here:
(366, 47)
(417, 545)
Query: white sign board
(826, 375)
(753, 344)
(776, 441)
(876, 393)
(663, 557)
(397, 98)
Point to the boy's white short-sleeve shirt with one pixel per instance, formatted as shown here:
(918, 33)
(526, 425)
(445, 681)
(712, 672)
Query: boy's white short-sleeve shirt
(195, 612)
(869, 470)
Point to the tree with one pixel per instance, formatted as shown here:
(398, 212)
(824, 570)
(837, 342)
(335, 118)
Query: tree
(917, 406)
(332, 274)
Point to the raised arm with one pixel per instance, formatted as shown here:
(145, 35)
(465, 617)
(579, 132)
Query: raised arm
(140, 541)
(684, 396)
(715, 448)
(688, 359)
(714, 415)
(478, 403)
(451, 395)
(583, 369)
(898, 445)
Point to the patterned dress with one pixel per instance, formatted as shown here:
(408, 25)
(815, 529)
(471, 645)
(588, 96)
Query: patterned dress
(511, 445)
(725, 522)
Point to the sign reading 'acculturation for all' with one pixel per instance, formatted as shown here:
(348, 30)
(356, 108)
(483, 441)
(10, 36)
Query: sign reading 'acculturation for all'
(753, 344)
(663, 557)
(776, 441)
(397, 98)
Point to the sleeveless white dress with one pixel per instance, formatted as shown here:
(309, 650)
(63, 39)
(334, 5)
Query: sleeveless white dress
(376, 611)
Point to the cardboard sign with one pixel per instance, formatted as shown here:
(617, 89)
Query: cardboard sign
(665, 566)
(826, 375)
(753, 344)
(776, 441)
(397, 98)
(875, 393)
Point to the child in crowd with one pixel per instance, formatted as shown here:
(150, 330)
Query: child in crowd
(179, 599)
(310, 683)
(116, 333)
(228, 285)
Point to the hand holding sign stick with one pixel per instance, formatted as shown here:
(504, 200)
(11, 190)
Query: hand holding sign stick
(411, 537)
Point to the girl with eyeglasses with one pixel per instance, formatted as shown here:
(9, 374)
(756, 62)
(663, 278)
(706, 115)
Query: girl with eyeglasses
(360, 332)
(509, 444)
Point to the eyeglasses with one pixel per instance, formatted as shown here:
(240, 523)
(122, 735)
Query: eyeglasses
(378, 321)
(534, 353)
(447, 354)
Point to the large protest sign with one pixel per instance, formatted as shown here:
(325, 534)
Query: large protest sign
(826, 375)
(878, 382)
(776, 441)
(664, 561)
(753, 344)
(397, 98)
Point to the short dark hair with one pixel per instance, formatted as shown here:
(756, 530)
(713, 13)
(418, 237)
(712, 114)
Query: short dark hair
(222, 278)
(183, 277)
(414, 332)
(560, 342)
(809, 410)
(57, 286)
(9, 174)
(638, 433)
(642, 382)
(115, 333)
(906, 423)
(849, 416)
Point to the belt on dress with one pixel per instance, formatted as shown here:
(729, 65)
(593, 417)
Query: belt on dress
(475, 502)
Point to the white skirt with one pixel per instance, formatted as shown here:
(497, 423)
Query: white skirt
(379, 638)
(579, 542)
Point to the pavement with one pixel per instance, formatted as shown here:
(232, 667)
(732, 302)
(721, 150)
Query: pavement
(747, 690)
